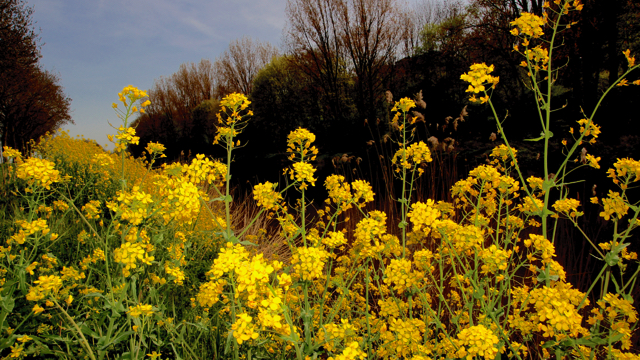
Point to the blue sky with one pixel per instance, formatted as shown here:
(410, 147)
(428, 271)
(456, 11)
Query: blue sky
(99, 46)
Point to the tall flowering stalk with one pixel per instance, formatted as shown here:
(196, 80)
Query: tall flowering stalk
(232, 119)
(407, 159)
(131, 99)
(537, 40)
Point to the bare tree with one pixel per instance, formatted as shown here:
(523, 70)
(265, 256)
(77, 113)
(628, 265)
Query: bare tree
(332, 40)
(32, 102)
(372, 31)
(237, 67)
(315, 45)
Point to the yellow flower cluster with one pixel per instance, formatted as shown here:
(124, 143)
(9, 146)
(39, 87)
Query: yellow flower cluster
(303, 172)
(614, 204)
(299, 145)
(415, 154)
(243, 329)
(45, 286)
(91, 209)
(400, 275)
(175, 272)
(334, 239)
(362, 192)
(155, 148)
(128, 254)
(568, 206)
(133, 206)
(39, 172)
(371, 227)
(495, 259)
(528, 25)
(351, 352)
(538, 57)
(140, 310)
(339, 190)
(621, 316)
(543, 246)
(266, 196)
(103, 160)
(466, 238)
(180, 199)
(203, 170)
(404, 105)
(477, 341)
(478, 77)
(401, 337)
(69, 273)
(626, 169)
(557, 310)
(308, 262)
(11, 153)
(589, 128)
(30, 228)
(503, 152)
(631, 61)
(127, 136)
(132, 94)
(235, 102)
(423, 215)
(98, 255)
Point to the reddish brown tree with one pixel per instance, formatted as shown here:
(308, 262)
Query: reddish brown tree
(238, 66)
(32, 102)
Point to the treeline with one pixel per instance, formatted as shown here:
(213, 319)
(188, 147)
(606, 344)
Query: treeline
(344, 62)
(32, 101)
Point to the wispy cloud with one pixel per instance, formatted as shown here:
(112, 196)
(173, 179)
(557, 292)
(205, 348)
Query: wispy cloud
(99, 46)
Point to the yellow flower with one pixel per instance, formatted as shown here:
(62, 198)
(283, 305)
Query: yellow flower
(477, 341)
(303, 173)
(568, 206)
(155, 148)
(141, 309)
(478, 77)
(37, 309)
(422, 215)
(528, 25)
(404, 105)
(299, 145)
(631, 61)
(235, 102)
(362, 192)
(243, 329)
(614, 204)
(266, 196)
(339, 190)
(308, 262)
(38, 172)
(400, 275)
(10, 153)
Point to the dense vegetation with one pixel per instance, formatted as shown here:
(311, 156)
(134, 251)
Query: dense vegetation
(108, 255)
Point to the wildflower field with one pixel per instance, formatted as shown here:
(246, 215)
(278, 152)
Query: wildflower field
(106, 256)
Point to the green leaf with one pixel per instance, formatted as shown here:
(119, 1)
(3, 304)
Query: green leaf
(8, 303)
(612, 258)
(117, 339)
(536, 139)
(227, 346)
(85, 330)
